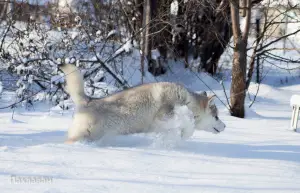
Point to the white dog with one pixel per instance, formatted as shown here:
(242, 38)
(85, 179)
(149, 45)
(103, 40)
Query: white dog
(134, 110)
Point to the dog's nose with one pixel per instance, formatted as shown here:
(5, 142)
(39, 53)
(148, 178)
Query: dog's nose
(224, 126)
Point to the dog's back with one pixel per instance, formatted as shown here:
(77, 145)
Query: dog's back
(134, 110)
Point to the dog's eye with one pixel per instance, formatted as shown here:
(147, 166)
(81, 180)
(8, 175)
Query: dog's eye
(217, 118)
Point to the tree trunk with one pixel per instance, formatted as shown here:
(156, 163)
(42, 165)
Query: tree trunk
(239, 64)
(238, 85)
(3, 10)
(159, 35)
(145, 34)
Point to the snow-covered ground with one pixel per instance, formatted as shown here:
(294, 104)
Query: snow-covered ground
(256, 154)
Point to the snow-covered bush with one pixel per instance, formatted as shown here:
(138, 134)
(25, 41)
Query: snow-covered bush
(33, 51)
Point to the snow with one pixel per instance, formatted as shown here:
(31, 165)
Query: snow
(111, 33)
(255, 154)
(65, 3)
(99, 76)
(57, 79)
(70, 60)
(174, 7)
(36, 2)
(98, 33)
(276, 3)
(155, 54)
(74, 35)
(21, 68)
(124, 48)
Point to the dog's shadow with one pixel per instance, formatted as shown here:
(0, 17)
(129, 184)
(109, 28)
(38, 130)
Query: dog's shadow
(32, 139)
(136, 140)
(228, 150)
(58, 137)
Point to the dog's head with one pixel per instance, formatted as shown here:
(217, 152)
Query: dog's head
(208, 120)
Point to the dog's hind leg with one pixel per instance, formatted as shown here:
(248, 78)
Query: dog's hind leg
(86, 136)
(71, 141)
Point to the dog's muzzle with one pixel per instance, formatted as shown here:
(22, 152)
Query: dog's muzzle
(217, 130)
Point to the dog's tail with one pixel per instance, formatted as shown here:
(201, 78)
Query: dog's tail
(75, 83)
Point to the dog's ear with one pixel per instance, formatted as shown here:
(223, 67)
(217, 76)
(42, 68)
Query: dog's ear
(203, 93)
(211, 100)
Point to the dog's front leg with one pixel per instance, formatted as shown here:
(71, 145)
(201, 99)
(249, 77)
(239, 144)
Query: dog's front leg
(165, 112)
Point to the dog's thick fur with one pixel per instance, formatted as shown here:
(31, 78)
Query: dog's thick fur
(133, 110)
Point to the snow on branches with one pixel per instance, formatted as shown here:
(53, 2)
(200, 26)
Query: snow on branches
(33, 52)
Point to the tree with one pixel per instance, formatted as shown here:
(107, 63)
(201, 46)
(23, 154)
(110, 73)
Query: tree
(3, 9)
(239, 63)
(145, 37)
